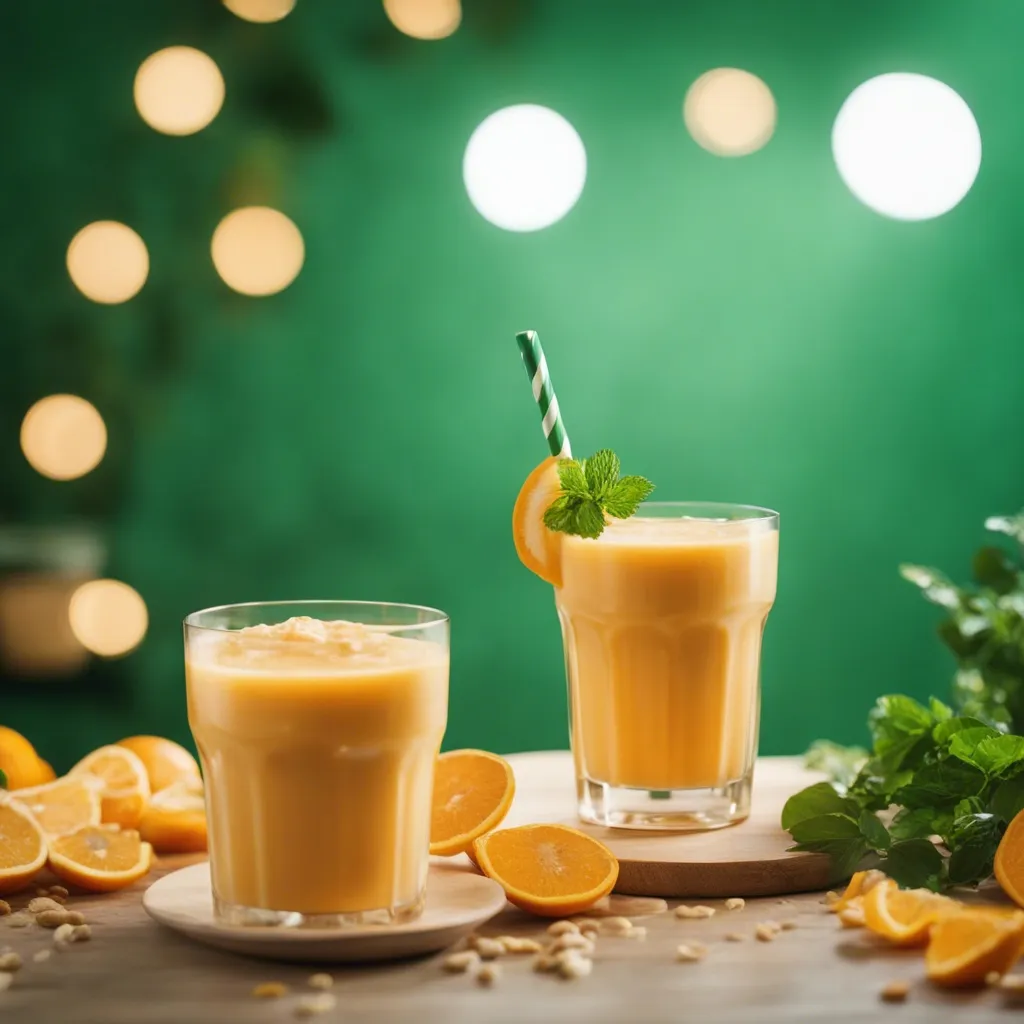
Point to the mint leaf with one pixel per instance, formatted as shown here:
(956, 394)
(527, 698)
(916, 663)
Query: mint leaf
(873, 830)
(945, 731)
(814, 801)
(920, 823)
(845, 854)
(1008, 799)
(591, 489)
(964, 744)
(1000, 755)
(825, 826)
(3, 779)
(973, 843)
(602, 471)
(915, 864)
(942, 783)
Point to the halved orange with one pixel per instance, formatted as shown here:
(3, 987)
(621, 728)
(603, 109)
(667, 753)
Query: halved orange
(22, 846)
(46, 773)
(967, 946)
(100, 858)
(174, 821)
(19, 760)
(1009, 860)
(125, 791)
(904, 916)
(166, 762)
(64, 805)
(539, 548)
(548, 870)
(473, 791)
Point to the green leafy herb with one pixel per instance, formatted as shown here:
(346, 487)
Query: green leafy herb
(3, 779)
(592, 489)
(956, 781)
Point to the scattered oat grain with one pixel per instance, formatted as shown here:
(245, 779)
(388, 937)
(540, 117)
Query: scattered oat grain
(545, 963)
(457, 963)
(5, 908)
(10, 963)
(515, 944)
(488, 974)
(572, 940)
(691, 953)
(735, 937)
(636, 932)
(310, 1006)
(40, 955)
(58, 892)
(62, 933)
(788, 926)
(321, 981)
(563, 928)
(81, 933)
(616, 925)
(590, 928)
(1008, 982)
(270, 990)
(830, 897)
(19, 920)
(489, 949)
(574, 965)
(5, 981)
(765, 932)
(42, 892)
(41, 903)
(699, 911)
(895, 991)
(735, 903)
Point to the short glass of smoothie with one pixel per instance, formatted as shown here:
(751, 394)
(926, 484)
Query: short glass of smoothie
(318, 724)
(662, 617)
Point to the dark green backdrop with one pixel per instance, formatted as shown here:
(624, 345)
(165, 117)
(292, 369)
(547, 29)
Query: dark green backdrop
(740, 330)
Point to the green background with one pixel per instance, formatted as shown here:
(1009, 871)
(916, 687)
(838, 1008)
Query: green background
(738, 330)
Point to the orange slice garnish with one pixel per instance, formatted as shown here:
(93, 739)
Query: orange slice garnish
(22, 846)
(549, 870)
(100, 858)
(473, 791)
(125, 791)
(166, 762)
(539, 548)
(966, 947)
(904, 916)
(174, 821)
(64, 805)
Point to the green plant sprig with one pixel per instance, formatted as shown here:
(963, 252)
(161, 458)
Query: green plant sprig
(592, 489)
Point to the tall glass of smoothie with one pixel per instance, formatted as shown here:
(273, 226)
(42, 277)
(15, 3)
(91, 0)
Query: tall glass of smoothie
(318, 724)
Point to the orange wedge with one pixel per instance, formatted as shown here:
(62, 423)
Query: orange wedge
(539, 548)
(22, 846)
(1009, 860)
(19, 760)
(852, 913)
(967, 946)
(125, 791)
(65, 805)
(548, 870)
(174, 821)
(473, 791)
(904, 916)
(166, 762)
(100, 858)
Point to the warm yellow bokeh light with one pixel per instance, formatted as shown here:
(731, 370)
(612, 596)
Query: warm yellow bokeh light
(108, 617)
(257, 250)
(63, 436)
(424, 19)
(178, 90)
(108, 262)
(730, 112)
(260, 10)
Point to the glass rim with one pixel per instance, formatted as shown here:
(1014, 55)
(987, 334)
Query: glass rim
(436, 616)
(759, 512)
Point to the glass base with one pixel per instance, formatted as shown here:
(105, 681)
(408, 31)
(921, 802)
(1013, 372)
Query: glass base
(237, 916)
(675, 810)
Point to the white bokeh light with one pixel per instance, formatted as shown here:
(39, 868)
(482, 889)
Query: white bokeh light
(524, 168)
(907, 146)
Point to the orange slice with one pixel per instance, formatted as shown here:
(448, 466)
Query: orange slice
(125, 791)
(473, 791)
(100, 858)
(174, 821)
(22, 846)
(1009, 860)
(852, 913)
(166, 762)
(65, 805)
(967, 946)
(19, 760)
(549, 870)
(539, 548)
(904, 916)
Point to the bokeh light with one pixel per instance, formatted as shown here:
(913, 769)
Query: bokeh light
(260, 10)
(178, 90)
(424, 19)
(108, 262)
(35, 634)
(63, 437)
(729, 112)
(257, 250)
(524, 167)
(907, 146)
(108, 617)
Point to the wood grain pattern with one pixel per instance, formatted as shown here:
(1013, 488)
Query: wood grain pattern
(458, 900)
(748, 859)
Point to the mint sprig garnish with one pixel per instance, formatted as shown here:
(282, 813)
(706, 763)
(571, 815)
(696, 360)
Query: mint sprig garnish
(592, 489)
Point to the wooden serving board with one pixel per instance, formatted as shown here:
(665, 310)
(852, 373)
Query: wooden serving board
(748, 859)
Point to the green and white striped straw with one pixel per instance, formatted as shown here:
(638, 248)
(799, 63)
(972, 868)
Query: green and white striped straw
(544, 393)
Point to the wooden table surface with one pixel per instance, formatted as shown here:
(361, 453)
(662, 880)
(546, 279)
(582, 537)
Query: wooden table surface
(135, 972)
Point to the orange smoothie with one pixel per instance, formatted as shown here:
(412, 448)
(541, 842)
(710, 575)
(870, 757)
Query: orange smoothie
(662, 621)
(317, 740)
